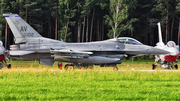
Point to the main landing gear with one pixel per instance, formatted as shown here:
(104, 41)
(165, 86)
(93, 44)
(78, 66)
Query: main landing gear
(69, 66)
(5, 64)
(176, 66)
(169, 65)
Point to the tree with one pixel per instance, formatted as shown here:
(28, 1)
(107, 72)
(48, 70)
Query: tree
(178, 13)
(118, 17)
(67, 11)
(145, 27)
(84, 14)
(5, 6)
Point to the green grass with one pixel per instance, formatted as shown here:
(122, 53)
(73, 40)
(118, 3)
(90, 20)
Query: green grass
(89, 85)
(31, 81)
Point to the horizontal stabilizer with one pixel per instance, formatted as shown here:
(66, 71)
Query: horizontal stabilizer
(19, 52)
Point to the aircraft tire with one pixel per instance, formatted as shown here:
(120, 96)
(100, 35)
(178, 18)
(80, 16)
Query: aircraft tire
(153, 66)
(176, 66)
(9, 66)
(67, 66)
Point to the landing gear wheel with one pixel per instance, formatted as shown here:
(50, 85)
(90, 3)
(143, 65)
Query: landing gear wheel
(1, 66)
(9, 66)
(176, 66)
(71, 67)
(154, 66)
(68, 66)
(115, 68)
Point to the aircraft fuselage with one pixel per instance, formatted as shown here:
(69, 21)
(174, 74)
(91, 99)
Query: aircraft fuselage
(103, 51)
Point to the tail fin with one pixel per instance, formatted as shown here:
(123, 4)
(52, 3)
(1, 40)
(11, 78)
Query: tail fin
(160, 43)
(21, 30)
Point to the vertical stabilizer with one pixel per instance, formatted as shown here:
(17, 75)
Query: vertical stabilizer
(21, 30)
(160, 43)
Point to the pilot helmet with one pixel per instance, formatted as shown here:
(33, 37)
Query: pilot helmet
(171, 44)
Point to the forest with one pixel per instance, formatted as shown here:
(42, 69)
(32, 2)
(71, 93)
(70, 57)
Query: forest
(95, 20)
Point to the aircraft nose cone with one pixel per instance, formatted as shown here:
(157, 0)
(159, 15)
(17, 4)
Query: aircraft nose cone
(158, 51)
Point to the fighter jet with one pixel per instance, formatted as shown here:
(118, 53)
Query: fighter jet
(29, 44)
(166, 60)
(3, 56)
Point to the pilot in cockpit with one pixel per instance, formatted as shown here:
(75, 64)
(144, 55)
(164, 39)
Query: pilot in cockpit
(171, 44)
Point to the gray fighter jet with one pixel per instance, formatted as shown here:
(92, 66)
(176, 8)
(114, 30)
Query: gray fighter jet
(29, 44)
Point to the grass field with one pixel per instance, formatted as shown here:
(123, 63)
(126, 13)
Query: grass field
(31, 81)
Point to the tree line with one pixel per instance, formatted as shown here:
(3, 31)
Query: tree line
(95, 20)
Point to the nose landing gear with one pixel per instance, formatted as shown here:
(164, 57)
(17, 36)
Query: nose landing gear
(154, 66)
(115, 68)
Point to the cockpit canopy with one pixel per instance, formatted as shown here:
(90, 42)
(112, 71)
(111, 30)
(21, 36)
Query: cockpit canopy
(127, 40)
(1, 43)
(171, 44)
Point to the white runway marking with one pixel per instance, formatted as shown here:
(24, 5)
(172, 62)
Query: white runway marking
(159, 70)
(145, 70)
(86, 70)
